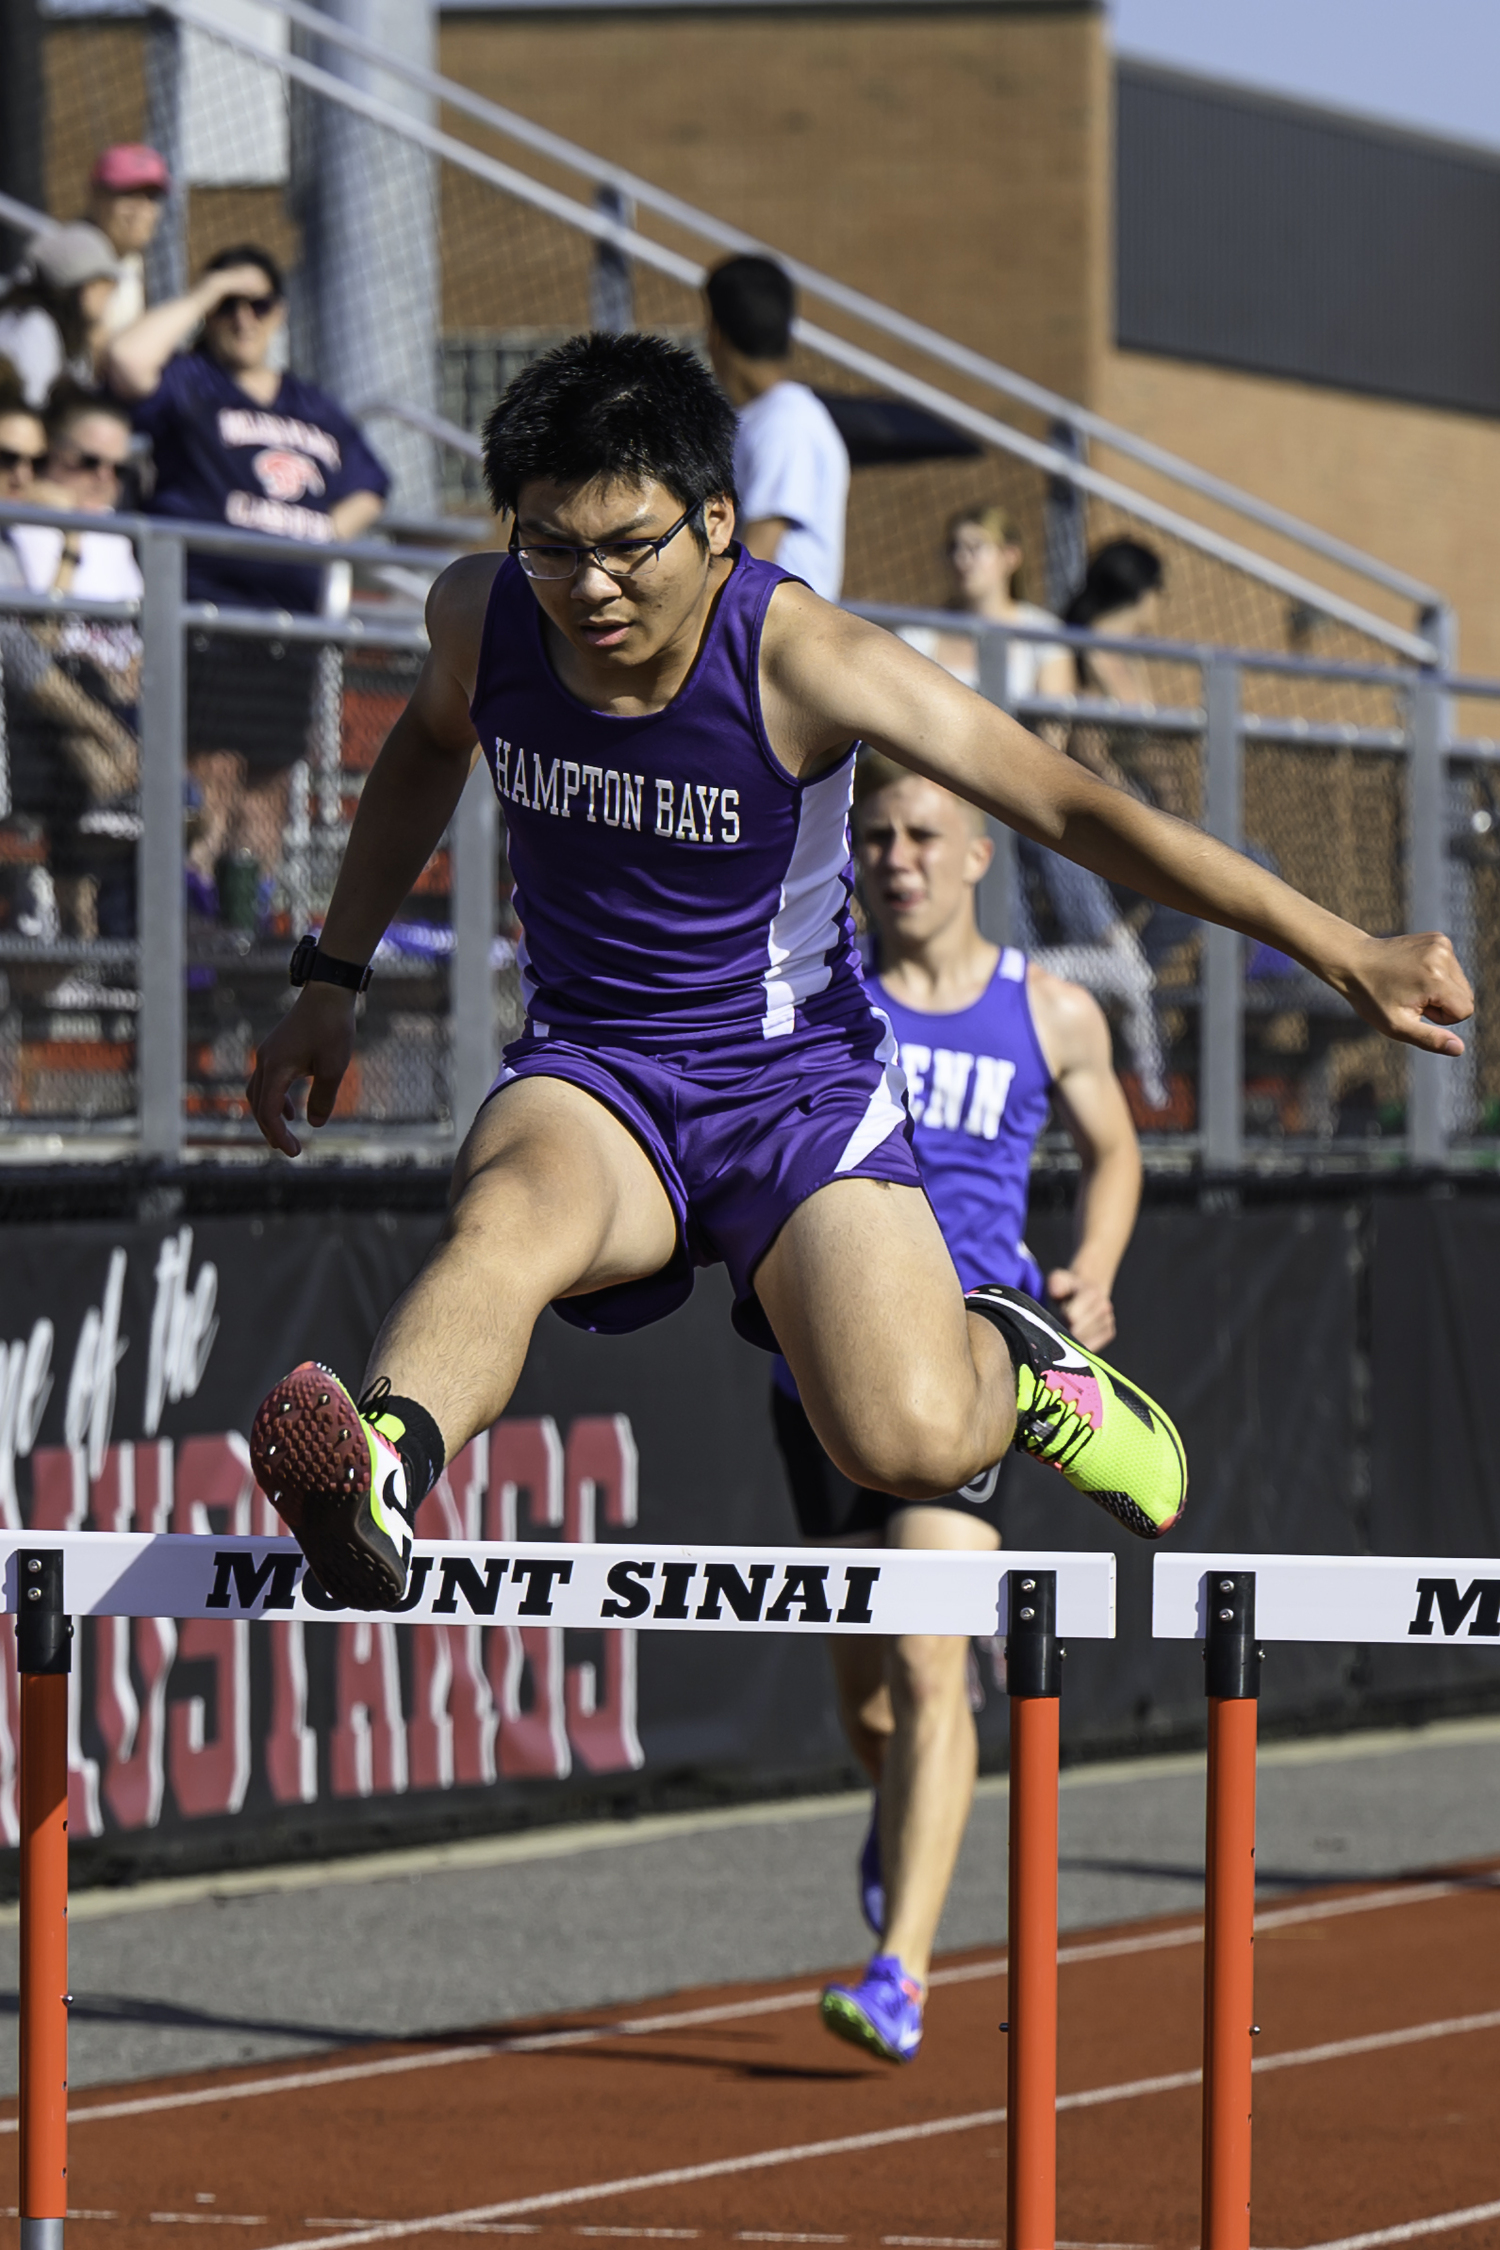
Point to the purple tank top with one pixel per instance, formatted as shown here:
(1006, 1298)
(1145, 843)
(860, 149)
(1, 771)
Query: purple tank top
(673, 882)
(979, 1089)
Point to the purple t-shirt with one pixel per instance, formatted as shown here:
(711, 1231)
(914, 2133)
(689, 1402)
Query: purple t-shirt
(677, 887)
(223, 458)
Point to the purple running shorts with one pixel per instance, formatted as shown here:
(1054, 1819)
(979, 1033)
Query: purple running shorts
(740, 1133)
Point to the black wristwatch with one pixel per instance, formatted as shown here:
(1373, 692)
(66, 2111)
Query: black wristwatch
(309, 965)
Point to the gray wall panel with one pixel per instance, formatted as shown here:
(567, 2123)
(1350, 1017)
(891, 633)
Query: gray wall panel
(1287, 241)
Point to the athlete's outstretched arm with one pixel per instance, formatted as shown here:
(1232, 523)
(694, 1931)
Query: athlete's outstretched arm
(827, 676)
(406, 804)
(1075, 1039)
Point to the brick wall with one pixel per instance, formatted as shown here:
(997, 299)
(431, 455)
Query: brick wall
(952, 162)
(1412, 484)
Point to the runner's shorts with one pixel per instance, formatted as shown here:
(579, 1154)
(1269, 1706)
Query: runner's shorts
(829, 1505)
(740, 1133)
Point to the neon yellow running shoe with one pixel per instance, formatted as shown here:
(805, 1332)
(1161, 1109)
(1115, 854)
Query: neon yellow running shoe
(1078, 1416)
(334, 1476)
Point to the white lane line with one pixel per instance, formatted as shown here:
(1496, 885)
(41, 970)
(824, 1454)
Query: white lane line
(1092, 2097)
(730, 2011)
(649, 2234)
(1375, 2042)
(1447, 2222)
(288, 2083)
(758, 2234)
(1131, 2089)
(946, 2241)
(206, 2219)
(681, 2175)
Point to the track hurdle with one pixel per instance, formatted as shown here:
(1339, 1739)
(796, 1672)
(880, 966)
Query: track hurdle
(1033, 1598)
(1033, 1676)
(1232, 1603)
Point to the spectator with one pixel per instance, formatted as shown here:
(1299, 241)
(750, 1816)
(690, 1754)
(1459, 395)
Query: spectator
(23, 448)
(985, 557)
(790, 465)
(1068, 917)
(78, 767)
(128, 188)
(237, 441)
(1121, 596)
(52, 315)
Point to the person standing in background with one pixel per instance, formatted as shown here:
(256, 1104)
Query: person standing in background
(989, 1043)
(82, 779)
(128, 188)
(52, 315)
(1092, 942)
(238, 441)
(791, 468)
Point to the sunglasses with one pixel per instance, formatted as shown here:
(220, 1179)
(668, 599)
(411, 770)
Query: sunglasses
(87, 464)
(261, 307)
(11, 461)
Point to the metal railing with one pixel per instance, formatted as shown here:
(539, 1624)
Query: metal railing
(1350, 778)
(601, 224)
(168, 958)
(1449, 1111)
(630, 192)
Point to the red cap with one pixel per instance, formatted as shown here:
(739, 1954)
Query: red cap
(130, 166)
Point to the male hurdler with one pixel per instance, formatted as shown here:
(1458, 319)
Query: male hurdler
(702, 1076)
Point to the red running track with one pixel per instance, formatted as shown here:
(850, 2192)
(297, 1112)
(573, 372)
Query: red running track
(732, 2117)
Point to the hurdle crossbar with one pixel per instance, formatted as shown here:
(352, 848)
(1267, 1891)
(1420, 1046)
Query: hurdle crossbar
(686, 1589)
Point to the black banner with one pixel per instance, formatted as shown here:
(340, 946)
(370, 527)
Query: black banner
(1326, 1359)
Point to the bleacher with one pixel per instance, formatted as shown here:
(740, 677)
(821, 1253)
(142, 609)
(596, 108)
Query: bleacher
(1298, 697)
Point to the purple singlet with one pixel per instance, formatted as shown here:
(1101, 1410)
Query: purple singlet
(979, 1090)
(689, 957)
(673, 880)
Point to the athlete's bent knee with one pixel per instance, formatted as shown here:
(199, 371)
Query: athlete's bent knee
(913, 1454)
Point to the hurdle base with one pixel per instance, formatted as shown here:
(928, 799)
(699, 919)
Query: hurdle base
(42, 2234)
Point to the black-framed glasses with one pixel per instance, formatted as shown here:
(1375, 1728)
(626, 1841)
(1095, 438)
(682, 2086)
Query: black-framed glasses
(10, 460)
(262, 307)
(617, 558)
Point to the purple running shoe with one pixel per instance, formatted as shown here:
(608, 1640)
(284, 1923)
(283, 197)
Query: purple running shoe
(883, 2012)
(871, 1875)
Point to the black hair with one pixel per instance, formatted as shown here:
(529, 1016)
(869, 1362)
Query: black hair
(632, 406)
(754, 303)
(13, 398)
(69, 402)
(1119, 573)
(249, 254)
(65, 306)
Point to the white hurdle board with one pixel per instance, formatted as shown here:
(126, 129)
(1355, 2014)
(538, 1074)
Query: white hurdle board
(689, 1589)
(1417, 1599)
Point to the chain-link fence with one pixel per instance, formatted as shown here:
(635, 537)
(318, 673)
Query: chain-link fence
(435, 244)
(153, 878)
(143, 942)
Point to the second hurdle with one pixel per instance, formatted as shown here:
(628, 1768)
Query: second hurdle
(1032, 1598)
(1232, 1603)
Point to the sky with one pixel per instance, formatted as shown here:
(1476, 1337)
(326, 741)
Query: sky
(1432, 65)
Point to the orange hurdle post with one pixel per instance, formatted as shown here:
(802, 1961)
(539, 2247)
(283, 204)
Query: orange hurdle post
(1034, 1682)
(1232, 1668)
(43, 1659)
